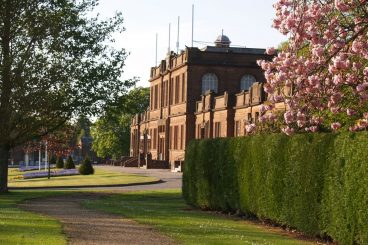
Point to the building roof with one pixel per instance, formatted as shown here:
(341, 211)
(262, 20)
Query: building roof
(234, 50)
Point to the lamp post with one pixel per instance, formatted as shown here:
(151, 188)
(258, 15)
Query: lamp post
(39, 157)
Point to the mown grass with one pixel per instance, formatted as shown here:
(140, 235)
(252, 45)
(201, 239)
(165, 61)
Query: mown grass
(167, 212)
(22, 227)
(101, 177)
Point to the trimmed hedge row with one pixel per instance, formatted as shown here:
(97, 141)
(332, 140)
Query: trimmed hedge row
(316, 183)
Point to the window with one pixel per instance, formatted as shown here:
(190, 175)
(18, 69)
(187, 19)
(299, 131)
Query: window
(177, 89)
(183, 88)
(154, 138)
(171, 91)
(176, 129)
(198, 131)
(209, 82)
(250, 119)
(151, 97)
(246, 82)
(182, 137)
(217, 129)
(156, 97)
(237, 128)
(164, 93)
(256, 117)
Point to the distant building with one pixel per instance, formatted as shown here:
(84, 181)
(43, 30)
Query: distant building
(199, 93)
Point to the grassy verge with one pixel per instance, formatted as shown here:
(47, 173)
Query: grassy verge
(21, 227)
(167, 212)
(101, 177)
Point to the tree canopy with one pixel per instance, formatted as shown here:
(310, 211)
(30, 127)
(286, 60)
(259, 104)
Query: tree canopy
(56, 61)
(111, 132)
(325, 64)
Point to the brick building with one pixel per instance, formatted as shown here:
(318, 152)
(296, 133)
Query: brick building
(199, 93)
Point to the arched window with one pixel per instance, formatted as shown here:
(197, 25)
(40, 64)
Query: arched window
(246, 82)
(209, 82)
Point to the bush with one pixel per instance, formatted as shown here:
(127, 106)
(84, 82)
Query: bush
(69, 164)
(60, 162)
(86, 167)
(316, 183)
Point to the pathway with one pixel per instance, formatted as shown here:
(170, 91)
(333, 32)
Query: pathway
(84, 226)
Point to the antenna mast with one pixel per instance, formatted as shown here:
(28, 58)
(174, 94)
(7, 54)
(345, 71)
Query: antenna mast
(177, 40)
(192, 22)
(156, 49)
(168, 50)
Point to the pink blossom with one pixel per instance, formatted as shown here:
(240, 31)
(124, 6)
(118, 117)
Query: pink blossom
(350, 112)
(362, 87)
(340, 5)
(365, 71)
(313, 129)
(250, 128)
(322, 63)
(335, 126)
(270, 51)
(289, 117)
(288, 131)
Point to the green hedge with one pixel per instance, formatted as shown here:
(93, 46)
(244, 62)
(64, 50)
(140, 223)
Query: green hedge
(317, 183)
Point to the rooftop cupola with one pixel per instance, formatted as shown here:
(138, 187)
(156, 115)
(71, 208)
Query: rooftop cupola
(222, 41)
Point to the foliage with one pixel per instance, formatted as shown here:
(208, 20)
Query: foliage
(60, 162)
(325, 64)
(166, 211)
(313, 182)
(56, 62)
(86, 167)
(111, 132)
(69, 163)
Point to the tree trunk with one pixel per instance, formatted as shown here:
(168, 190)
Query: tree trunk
(4, 156)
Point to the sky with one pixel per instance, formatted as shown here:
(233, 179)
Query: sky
(245, 22)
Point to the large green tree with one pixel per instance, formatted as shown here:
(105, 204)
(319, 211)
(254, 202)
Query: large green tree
(56, 61)
(111, 132)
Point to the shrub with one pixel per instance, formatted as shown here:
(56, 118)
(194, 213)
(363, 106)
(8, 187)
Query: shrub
(86, 167)
(316, 183)
(60, 162)
(69, 164)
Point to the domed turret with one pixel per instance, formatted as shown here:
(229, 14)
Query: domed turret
(222, 41)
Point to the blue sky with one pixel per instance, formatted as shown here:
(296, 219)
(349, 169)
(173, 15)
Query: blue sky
(245, 22)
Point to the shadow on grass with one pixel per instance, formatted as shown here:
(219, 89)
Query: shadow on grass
(22, 227)
(168, 213)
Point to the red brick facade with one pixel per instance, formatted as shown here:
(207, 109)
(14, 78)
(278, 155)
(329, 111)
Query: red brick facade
(199, 93)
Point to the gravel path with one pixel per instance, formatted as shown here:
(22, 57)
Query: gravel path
(84, 226)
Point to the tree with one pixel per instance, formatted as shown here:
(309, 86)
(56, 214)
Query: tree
(55, 62)
(86, 167)
(69, 163)
(59, 162)
(325, 64)
(111, 132)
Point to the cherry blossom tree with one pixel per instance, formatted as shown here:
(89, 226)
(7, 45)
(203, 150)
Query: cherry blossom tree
(324, 65)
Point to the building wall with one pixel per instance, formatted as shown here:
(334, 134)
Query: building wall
(180, 111)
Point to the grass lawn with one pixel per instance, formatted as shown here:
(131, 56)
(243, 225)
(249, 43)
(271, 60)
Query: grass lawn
(21, 227)
(167, 212)
(101, 177)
